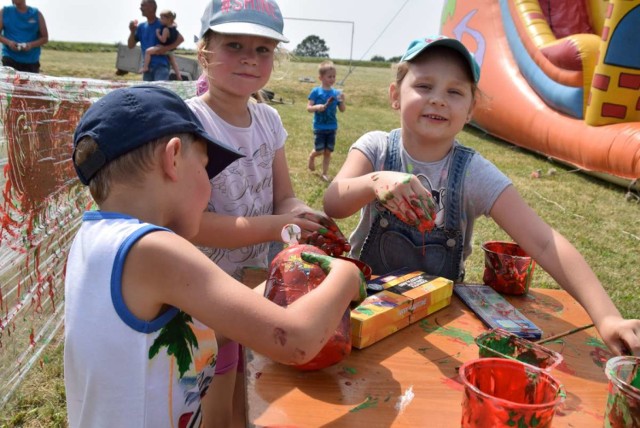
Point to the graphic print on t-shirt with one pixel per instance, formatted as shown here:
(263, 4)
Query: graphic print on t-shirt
(439, 197)
(245, 188)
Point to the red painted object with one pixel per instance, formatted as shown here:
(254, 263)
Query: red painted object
(507, 268)
(291, 277)
(507, 393)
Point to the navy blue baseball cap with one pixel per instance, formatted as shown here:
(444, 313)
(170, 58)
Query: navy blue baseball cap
(257, 18)
(418, 46)
(128, 118)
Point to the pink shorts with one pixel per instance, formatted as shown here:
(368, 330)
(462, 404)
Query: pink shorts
(229, 358)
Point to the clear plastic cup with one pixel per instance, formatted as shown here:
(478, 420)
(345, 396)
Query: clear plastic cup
(623, 402)
(498, 343)
(499, 392)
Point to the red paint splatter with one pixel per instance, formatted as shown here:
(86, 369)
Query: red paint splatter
(40, 204)
(600, 356)
(280, 336)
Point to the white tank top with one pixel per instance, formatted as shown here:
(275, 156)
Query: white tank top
(120, 371)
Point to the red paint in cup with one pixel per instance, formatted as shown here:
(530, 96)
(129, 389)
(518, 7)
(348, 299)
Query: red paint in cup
(500, 392)
(623, 402)
(507, 268)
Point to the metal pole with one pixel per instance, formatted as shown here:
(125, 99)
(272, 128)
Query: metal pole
(353, 28)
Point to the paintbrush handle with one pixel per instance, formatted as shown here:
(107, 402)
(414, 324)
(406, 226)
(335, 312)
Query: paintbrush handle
(566, 333)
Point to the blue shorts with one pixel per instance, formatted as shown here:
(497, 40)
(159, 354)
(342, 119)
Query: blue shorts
(325, 140)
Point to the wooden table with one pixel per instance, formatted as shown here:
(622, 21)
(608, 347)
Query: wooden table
(363, 390)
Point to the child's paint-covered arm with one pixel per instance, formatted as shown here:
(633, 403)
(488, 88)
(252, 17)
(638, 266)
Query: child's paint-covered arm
(556, 255)
(180, 275)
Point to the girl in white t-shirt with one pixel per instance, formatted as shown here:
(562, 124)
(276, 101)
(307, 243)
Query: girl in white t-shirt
(252, 199)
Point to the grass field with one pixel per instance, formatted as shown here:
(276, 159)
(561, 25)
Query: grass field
(594, 215)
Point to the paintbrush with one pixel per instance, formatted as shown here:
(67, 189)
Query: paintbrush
(625, 350)
(566, 333)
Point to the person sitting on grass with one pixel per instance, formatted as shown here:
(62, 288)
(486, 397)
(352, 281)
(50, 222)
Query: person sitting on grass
(143, 305)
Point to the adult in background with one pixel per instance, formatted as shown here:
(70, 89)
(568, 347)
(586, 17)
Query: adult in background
(22, 31)
(145, 33)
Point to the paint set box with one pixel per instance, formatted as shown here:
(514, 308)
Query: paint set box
(495, 311)
(406, 297)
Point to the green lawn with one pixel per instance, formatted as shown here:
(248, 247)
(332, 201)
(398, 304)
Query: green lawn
(592, 214)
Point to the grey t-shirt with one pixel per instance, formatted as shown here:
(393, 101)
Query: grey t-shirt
(484, 182)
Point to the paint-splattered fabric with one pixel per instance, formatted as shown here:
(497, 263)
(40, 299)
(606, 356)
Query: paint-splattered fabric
(119, 370)
(41, 206)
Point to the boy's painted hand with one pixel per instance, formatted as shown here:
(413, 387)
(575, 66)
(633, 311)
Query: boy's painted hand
(325, 264)
(406, 198)
(318, 259)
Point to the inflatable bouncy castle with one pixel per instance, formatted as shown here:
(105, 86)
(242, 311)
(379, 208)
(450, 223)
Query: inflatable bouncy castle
(560, 78)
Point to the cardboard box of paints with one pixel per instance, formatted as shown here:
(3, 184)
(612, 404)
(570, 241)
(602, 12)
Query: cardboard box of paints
(405, 299)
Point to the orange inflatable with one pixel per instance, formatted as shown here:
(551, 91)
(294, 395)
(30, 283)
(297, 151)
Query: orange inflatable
(561, 77)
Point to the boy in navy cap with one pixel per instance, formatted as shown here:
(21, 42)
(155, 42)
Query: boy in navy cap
(142, 304)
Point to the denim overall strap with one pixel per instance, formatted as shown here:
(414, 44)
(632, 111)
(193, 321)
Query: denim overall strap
(461, 157)
(392, 161)
(392, 244)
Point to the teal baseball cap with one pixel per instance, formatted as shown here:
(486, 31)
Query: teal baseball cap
(255, 18)
(417, 46)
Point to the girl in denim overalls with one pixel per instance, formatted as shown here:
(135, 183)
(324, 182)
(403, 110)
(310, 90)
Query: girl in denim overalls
(420, 191)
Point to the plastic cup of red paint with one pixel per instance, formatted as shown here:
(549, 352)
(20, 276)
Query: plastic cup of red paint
(507, 267)
(623, 402)
(499, 392)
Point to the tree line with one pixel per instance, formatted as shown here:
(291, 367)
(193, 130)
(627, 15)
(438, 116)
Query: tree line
(315, 47)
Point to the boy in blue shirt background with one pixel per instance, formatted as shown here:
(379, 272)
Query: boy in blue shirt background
(324, 100)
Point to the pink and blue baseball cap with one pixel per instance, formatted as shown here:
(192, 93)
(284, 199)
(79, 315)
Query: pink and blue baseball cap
(128, 118)
(256, 18)
(417, 46)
